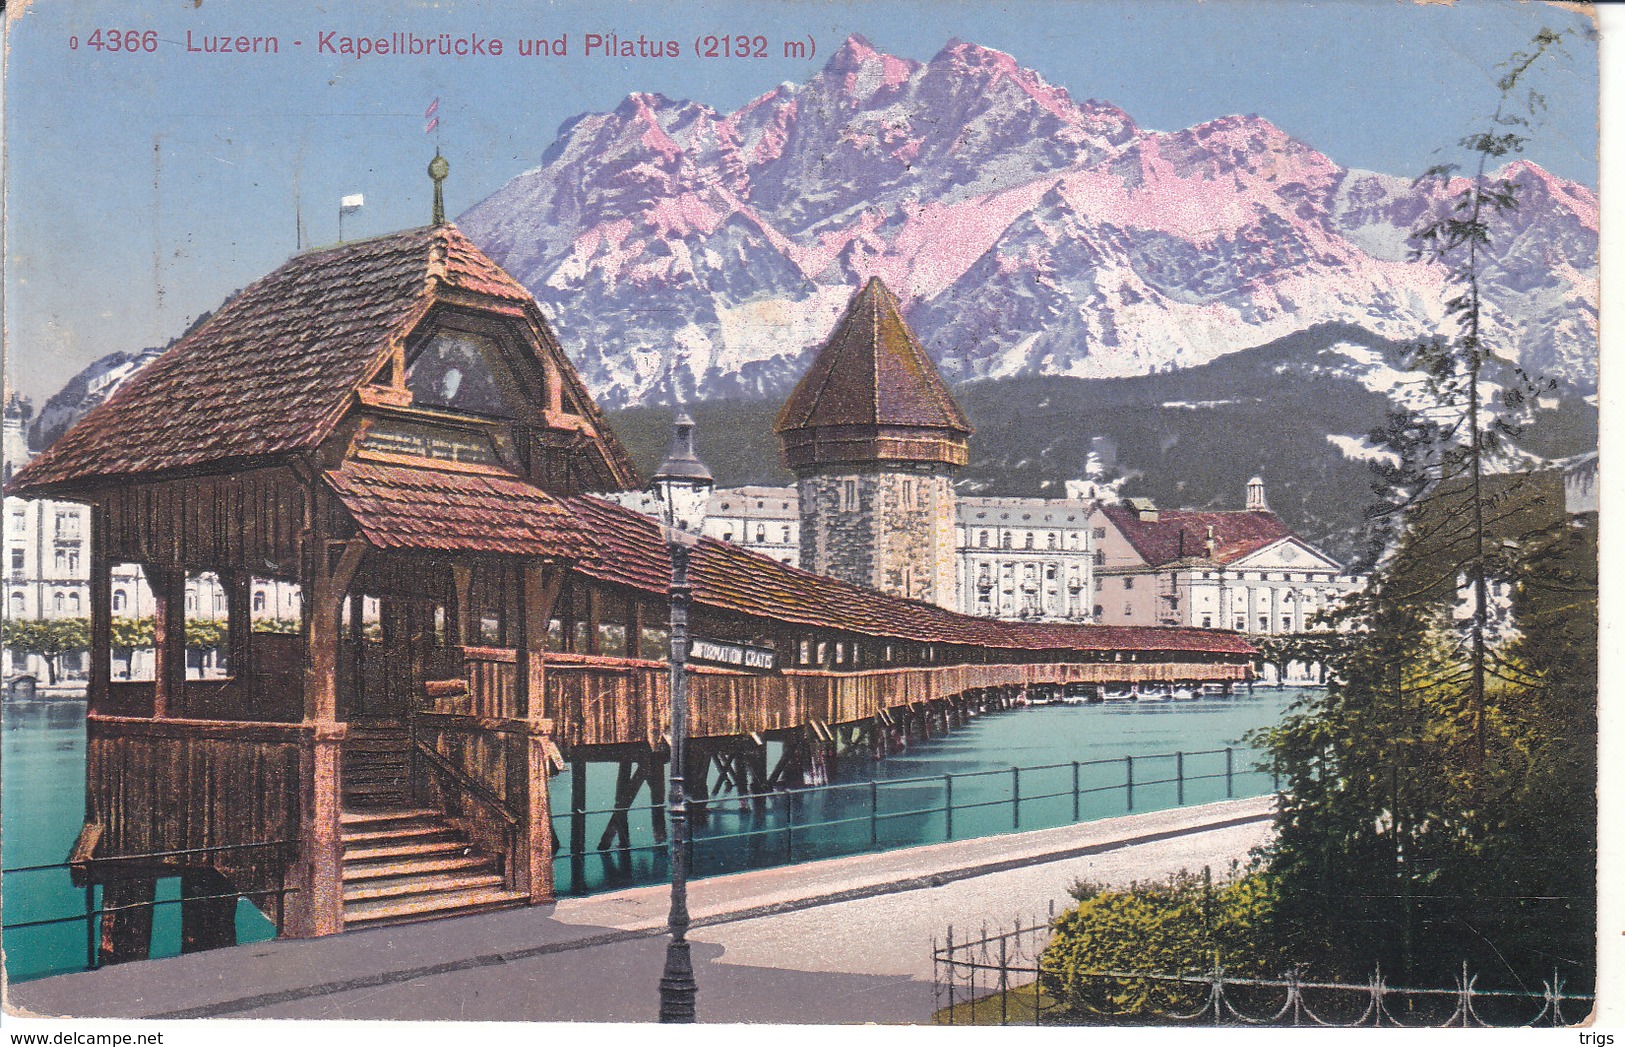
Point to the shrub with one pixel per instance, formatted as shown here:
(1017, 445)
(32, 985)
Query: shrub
(1186, 924)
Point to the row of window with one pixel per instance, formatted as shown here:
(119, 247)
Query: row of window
(761, 534)
(1007, 540)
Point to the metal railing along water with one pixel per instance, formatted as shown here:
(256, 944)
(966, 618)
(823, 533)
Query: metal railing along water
(92, 913)
(786, 826)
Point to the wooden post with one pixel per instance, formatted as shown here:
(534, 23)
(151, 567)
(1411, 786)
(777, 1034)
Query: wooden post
(536, 861)
(101, 612)
(317, 906)
(465, 625)
(594, 608)
(168, 586)
(210, 924)
(539, 588)
(634, 626)
(578, 824)
(240, 636)
(127, 933)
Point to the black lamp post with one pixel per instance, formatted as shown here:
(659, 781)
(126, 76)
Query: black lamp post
(683, 487)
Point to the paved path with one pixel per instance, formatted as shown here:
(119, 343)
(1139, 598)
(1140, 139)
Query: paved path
(845, 940)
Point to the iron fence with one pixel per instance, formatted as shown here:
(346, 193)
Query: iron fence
(802, 824)
(95, 908)
(997, 977)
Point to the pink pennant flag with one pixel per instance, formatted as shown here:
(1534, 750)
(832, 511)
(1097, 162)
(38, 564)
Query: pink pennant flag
(432, 125)
(434, 107)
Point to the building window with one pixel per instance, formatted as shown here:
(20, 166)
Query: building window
(849, 495)
(1049, 573)
(761, 534)
(259, 601)
(982, 540)
(1100, 558)
(1029, 539)
(908, 494)
(1263, 623)
(1054, 540)
(1100, 532)
(1128, 610)
(67, 525)
(1009, 540)
(786, 534)
(1207, 621)
(58, 601)
(16, 559)
(1100, 583)
(1128, 583)
(73, 603)
(1241, 625)
(728, 535)
(1099, 610)
(191, 599)
(16, 604)
(19, 522)
(120, 598)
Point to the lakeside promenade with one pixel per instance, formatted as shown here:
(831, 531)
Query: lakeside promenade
(839, 941)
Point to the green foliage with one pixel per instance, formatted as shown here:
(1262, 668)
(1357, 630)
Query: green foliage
(1184, 925)
(48, 638)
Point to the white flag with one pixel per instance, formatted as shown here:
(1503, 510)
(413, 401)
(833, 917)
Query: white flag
(350, 203)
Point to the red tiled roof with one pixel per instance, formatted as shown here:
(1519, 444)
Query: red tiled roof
(872, 371)
(1236, 534)
(398, 507)
(630, 551)
(275, 367)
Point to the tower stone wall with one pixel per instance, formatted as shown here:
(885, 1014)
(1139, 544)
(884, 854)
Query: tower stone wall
(886, 526)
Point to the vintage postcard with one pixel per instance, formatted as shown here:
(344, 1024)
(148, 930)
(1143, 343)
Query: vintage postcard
(1054, 513)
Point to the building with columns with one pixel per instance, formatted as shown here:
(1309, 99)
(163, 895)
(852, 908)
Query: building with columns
(875, 439)
(1243, 570)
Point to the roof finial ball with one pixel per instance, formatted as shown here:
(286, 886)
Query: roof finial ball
(438, 170)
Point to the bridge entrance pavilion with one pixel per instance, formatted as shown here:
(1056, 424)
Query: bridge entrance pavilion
(389, 430)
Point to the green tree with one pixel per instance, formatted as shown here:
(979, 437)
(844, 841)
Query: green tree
(1438, 797)
(49, 638)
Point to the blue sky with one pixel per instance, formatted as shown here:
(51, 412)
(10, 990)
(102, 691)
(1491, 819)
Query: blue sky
(144, 188)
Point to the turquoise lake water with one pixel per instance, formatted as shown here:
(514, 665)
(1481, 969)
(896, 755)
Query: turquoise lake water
(895, 802)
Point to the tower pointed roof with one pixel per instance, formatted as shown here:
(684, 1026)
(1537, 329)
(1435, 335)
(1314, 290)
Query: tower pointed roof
(872, 371)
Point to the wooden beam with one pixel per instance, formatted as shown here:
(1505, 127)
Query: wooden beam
(101, 611)
(538, 589)
(168, 586)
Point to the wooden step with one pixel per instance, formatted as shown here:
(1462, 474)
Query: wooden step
(414, 867)
(402, 886)
(450, 903)
(403, 833)
(407, 850)
(405, 814)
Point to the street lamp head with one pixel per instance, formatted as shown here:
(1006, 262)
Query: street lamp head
(683, 484)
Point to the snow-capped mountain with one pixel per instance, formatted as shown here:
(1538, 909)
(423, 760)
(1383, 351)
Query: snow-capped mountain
(1026, 232)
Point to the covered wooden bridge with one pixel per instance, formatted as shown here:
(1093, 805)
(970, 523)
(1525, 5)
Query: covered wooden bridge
(390, 429)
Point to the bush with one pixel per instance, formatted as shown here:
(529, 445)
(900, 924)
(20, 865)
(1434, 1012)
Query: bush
(1184, 925)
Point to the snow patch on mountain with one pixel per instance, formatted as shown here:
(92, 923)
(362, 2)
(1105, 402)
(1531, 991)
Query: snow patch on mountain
(1026, 232)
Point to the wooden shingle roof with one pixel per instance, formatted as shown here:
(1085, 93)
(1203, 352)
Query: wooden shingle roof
(398, 507)
(872, 372)
(273, 370)
(629, 550)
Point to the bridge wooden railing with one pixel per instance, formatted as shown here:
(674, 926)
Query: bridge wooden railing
(607, 701)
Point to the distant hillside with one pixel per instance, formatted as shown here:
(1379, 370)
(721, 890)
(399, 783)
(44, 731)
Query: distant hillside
(1188, 438)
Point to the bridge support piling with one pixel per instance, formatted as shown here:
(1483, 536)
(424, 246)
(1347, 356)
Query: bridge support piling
(127, 933)
(208, 911)
(654, 772)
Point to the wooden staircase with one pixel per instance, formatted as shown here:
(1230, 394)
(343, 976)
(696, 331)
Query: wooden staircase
(404, 864)
(377, 765)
